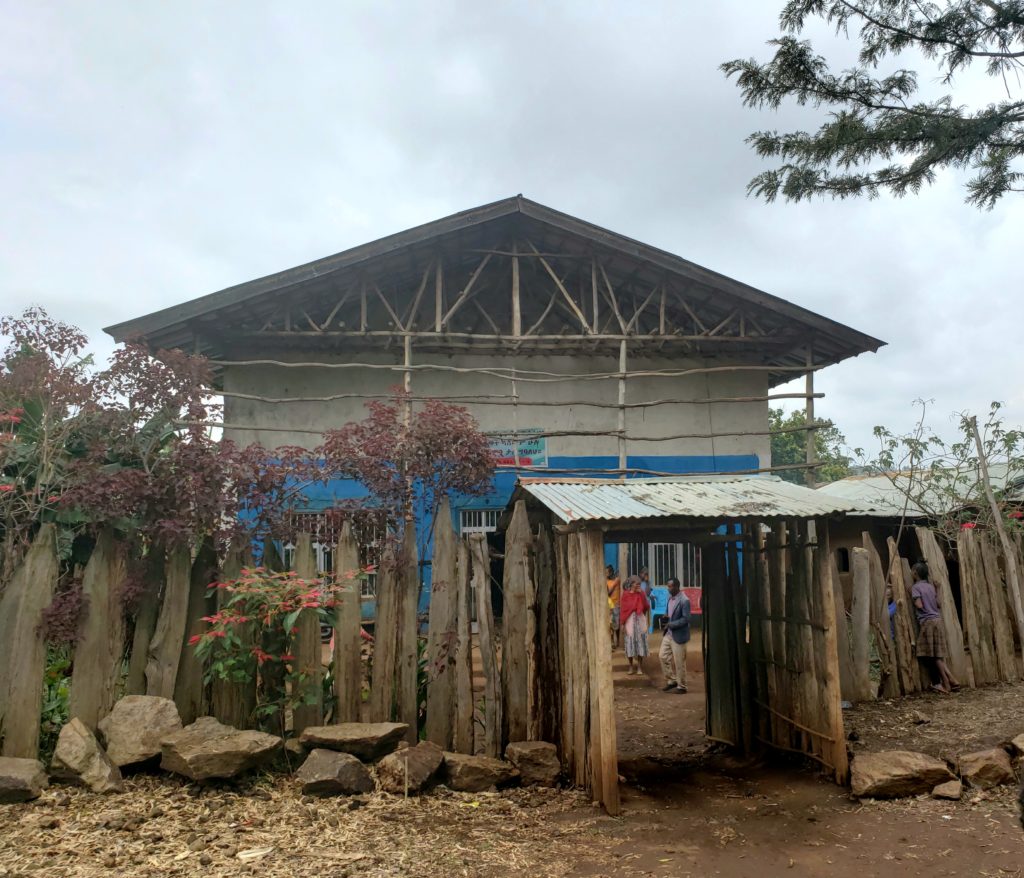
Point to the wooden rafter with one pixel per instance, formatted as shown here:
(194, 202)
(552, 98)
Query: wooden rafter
(466, 291)
(565, 293)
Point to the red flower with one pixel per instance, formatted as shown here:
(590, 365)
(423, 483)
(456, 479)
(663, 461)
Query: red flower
(968, 525)
(194, 639)
(287, 657)
(6, 488)
(218, 634)
(53, 498)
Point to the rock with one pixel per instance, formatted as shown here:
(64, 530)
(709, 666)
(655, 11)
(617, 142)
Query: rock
(366, 741)
(1018, 744)
(951, 789)
(132, 731)
(207, 748)
(80, 759)
(537, 762)
(329, 773)
(21, 779)
(987, 768)
(415, 766)
(919, 718)
(474, 774)
(894, 773)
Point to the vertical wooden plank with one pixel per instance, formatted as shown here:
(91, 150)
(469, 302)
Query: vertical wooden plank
(96, 672)
(565, 655)
(906, 660)
(165, 647)
(493, 707)
(348, 660)
(407, 660)
(860, 564)
(23, 645)
(776, 567)
(885, 645)
(233, 702)
(385, 640)
(603, 711)
(576, 633)
(190, 692)
(760, 633)
(441, 633)
(516, 587)
(1002, 631)
(517, 315)
(549, 667)
(975, 598)
(146, 613)
(720, 672)
(307, 647)
(825, 615)
(462, 733)
(796, 658)
(738, 579)
(533, 698)
(843, 635)
(936, 561)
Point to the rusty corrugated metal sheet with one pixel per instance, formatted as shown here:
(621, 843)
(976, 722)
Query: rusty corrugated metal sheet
(711, 497)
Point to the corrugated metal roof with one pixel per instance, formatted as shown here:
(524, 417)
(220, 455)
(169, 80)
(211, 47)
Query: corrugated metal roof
(713, 497)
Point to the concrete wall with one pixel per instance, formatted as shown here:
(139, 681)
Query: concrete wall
(293, 418)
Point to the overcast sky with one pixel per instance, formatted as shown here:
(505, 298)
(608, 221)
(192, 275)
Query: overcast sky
(154, 152)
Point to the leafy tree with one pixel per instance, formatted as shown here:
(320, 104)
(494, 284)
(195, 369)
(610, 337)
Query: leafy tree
(789, 448)
(880, 136)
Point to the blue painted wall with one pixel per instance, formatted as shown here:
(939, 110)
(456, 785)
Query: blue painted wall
(335, 493)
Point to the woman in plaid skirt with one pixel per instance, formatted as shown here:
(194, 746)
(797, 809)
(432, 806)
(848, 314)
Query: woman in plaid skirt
(932, 648)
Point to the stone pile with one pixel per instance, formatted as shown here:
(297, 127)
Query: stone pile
(348, 759)
(891, 774)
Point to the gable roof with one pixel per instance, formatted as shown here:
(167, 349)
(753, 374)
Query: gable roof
(176, 326)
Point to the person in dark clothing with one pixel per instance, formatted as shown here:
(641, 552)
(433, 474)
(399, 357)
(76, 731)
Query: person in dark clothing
(676, 635)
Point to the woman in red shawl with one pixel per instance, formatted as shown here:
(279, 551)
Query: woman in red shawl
(633, 610)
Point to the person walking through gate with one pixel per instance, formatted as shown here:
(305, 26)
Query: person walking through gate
(633, 609)
(676, 623)
(932, 648)
(614, 596)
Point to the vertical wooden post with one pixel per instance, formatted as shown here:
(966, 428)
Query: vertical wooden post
(233, 701)
(463, 724)
(623, 458)
(307, 644)
(514, 662)
(96, 671)
(846, 675)
(1013, 574)
(23, 645)
(830, 687)
(549, 666)
(566, 657)
(348, 661)
(517, 315)
(577, 648)
(145, 618)
(860, 564)
(385, 639)
(439, 294)
(190, 693)
(1002, 631)
(493, 707)
(165, 647)
(880, 623)
(441, 634)
(776, 563)
(593, 293)
(810, 434)
(936, 561)
(407, 661)
(977, 613)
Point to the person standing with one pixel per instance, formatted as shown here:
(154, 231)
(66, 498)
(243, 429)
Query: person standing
(676, 636)
(932, 648)
(633, 609)
(645, 582)
(614, 597)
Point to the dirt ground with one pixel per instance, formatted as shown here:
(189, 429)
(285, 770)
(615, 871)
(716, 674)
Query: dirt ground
(687, 812)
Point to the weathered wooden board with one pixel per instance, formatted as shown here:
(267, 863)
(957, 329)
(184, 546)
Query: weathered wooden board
(974, 596)
(493, 707)
(1002, 629)
(165, 646)
(860, 564)
(407, 643)
(463, 724)
(96, 673)
(146, 612)
(441, 632)
(23, 645)
(233, 701)
(824, 615)
(881, 627)
(844, 637)
(936, 561)
(307, 647)
(906, 659)
(549, 671)
(190, 692)
(348, 661)
(385, 639)
(517, 589)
